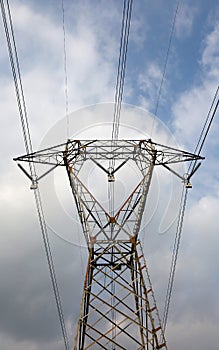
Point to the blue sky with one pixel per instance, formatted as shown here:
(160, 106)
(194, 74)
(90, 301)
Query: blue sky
(28, 319)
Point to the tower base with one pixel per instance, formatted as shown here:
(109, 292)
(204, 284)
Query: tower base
(118, 309)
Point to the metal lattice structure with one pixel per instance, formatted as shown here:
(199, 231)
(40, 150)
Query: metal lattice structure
(118, 308)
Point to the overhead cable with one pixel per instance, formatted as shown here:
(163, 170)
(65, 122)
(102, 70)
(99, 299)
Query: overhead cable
(167, 57)
(192, 168)
(65, 67)
(174, 256)
(124, 39)
(126, 21)
(15, 67)
(205, 130)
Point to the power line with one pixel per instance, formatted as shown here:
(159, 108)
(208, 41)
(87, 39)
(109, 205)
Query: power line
(126, 21)
(206, 127)
(167, 57)
(124, 39)
(15, 67)
(174, 255)
(199, 146)
(65, 66)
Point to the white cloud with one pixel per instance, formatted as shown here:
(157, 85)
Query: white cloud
(191, 108)
(184, 20)
(149, 81)
(210, 57)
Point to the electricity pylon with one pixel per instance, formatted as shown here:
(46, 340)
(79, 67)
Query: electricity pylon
(118, 307)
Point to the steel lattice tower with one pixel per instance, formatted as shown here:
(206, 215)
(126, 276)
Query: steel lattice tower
(118, 307)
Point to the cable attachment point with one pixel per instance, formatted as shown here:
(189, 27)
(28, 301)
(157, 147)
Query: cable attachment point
(34, 185)
(187, 182)
(111, 177)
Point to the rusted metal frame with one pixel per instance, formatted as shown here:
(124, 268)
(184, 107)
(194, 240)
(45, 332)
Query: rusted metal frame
(38, 160)
(111, 340)
(130, 317)
(119, 300)
(177, 150)
(147, 303)
(84, 316)
(79, 206)
(99, 270)
(103, 256)
(59, 153)
(128, 226)
(122, 228)
(89, 193)
(102, 230)
(105, 148)
(115, 326)
(101, 252)
(80, 147)
(140, 161)
(118, 276)
(77, 164)
(82, 214)
(118, 311)
(95, 342)
(139, 290)
(88, 221)
(102, 248)
(162, 337)
(121, 331)
(32, 155)
(141, 206)
(126, 283)
(99, 305)
(155, 337)
(129, 211)
(146, 159)
(135, 194)
(170, 155)
(129, 201)
(79, 326)
(89, 210)
(136, 297)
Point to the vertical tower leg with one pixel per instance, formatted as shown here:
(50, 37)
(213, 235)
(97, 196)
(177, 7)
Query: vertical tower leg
(118, 308)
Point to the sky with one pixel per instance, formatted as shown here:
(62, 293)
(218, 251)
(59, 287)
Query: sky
(28, 317)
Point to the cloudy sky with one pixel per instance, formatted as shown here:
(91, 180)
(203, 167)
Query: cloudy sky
(28, 317)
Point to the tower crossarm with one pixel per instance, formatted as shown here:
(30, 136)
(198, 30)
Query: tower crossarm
(98, 222)
(101, 152)
(78, 150)
(166, 154)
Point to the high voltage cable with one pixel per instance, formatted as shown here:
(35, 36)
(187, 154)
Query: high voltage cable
(15, 67)
(126, 21)
(124, 38)
(167, 57)
(174, 256)
(17, 77)
(208, 122)
(206, 127)
(65, 66)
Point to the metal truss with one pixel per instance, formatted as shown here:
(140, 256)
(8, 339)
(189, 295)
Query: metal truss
(118, 309)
